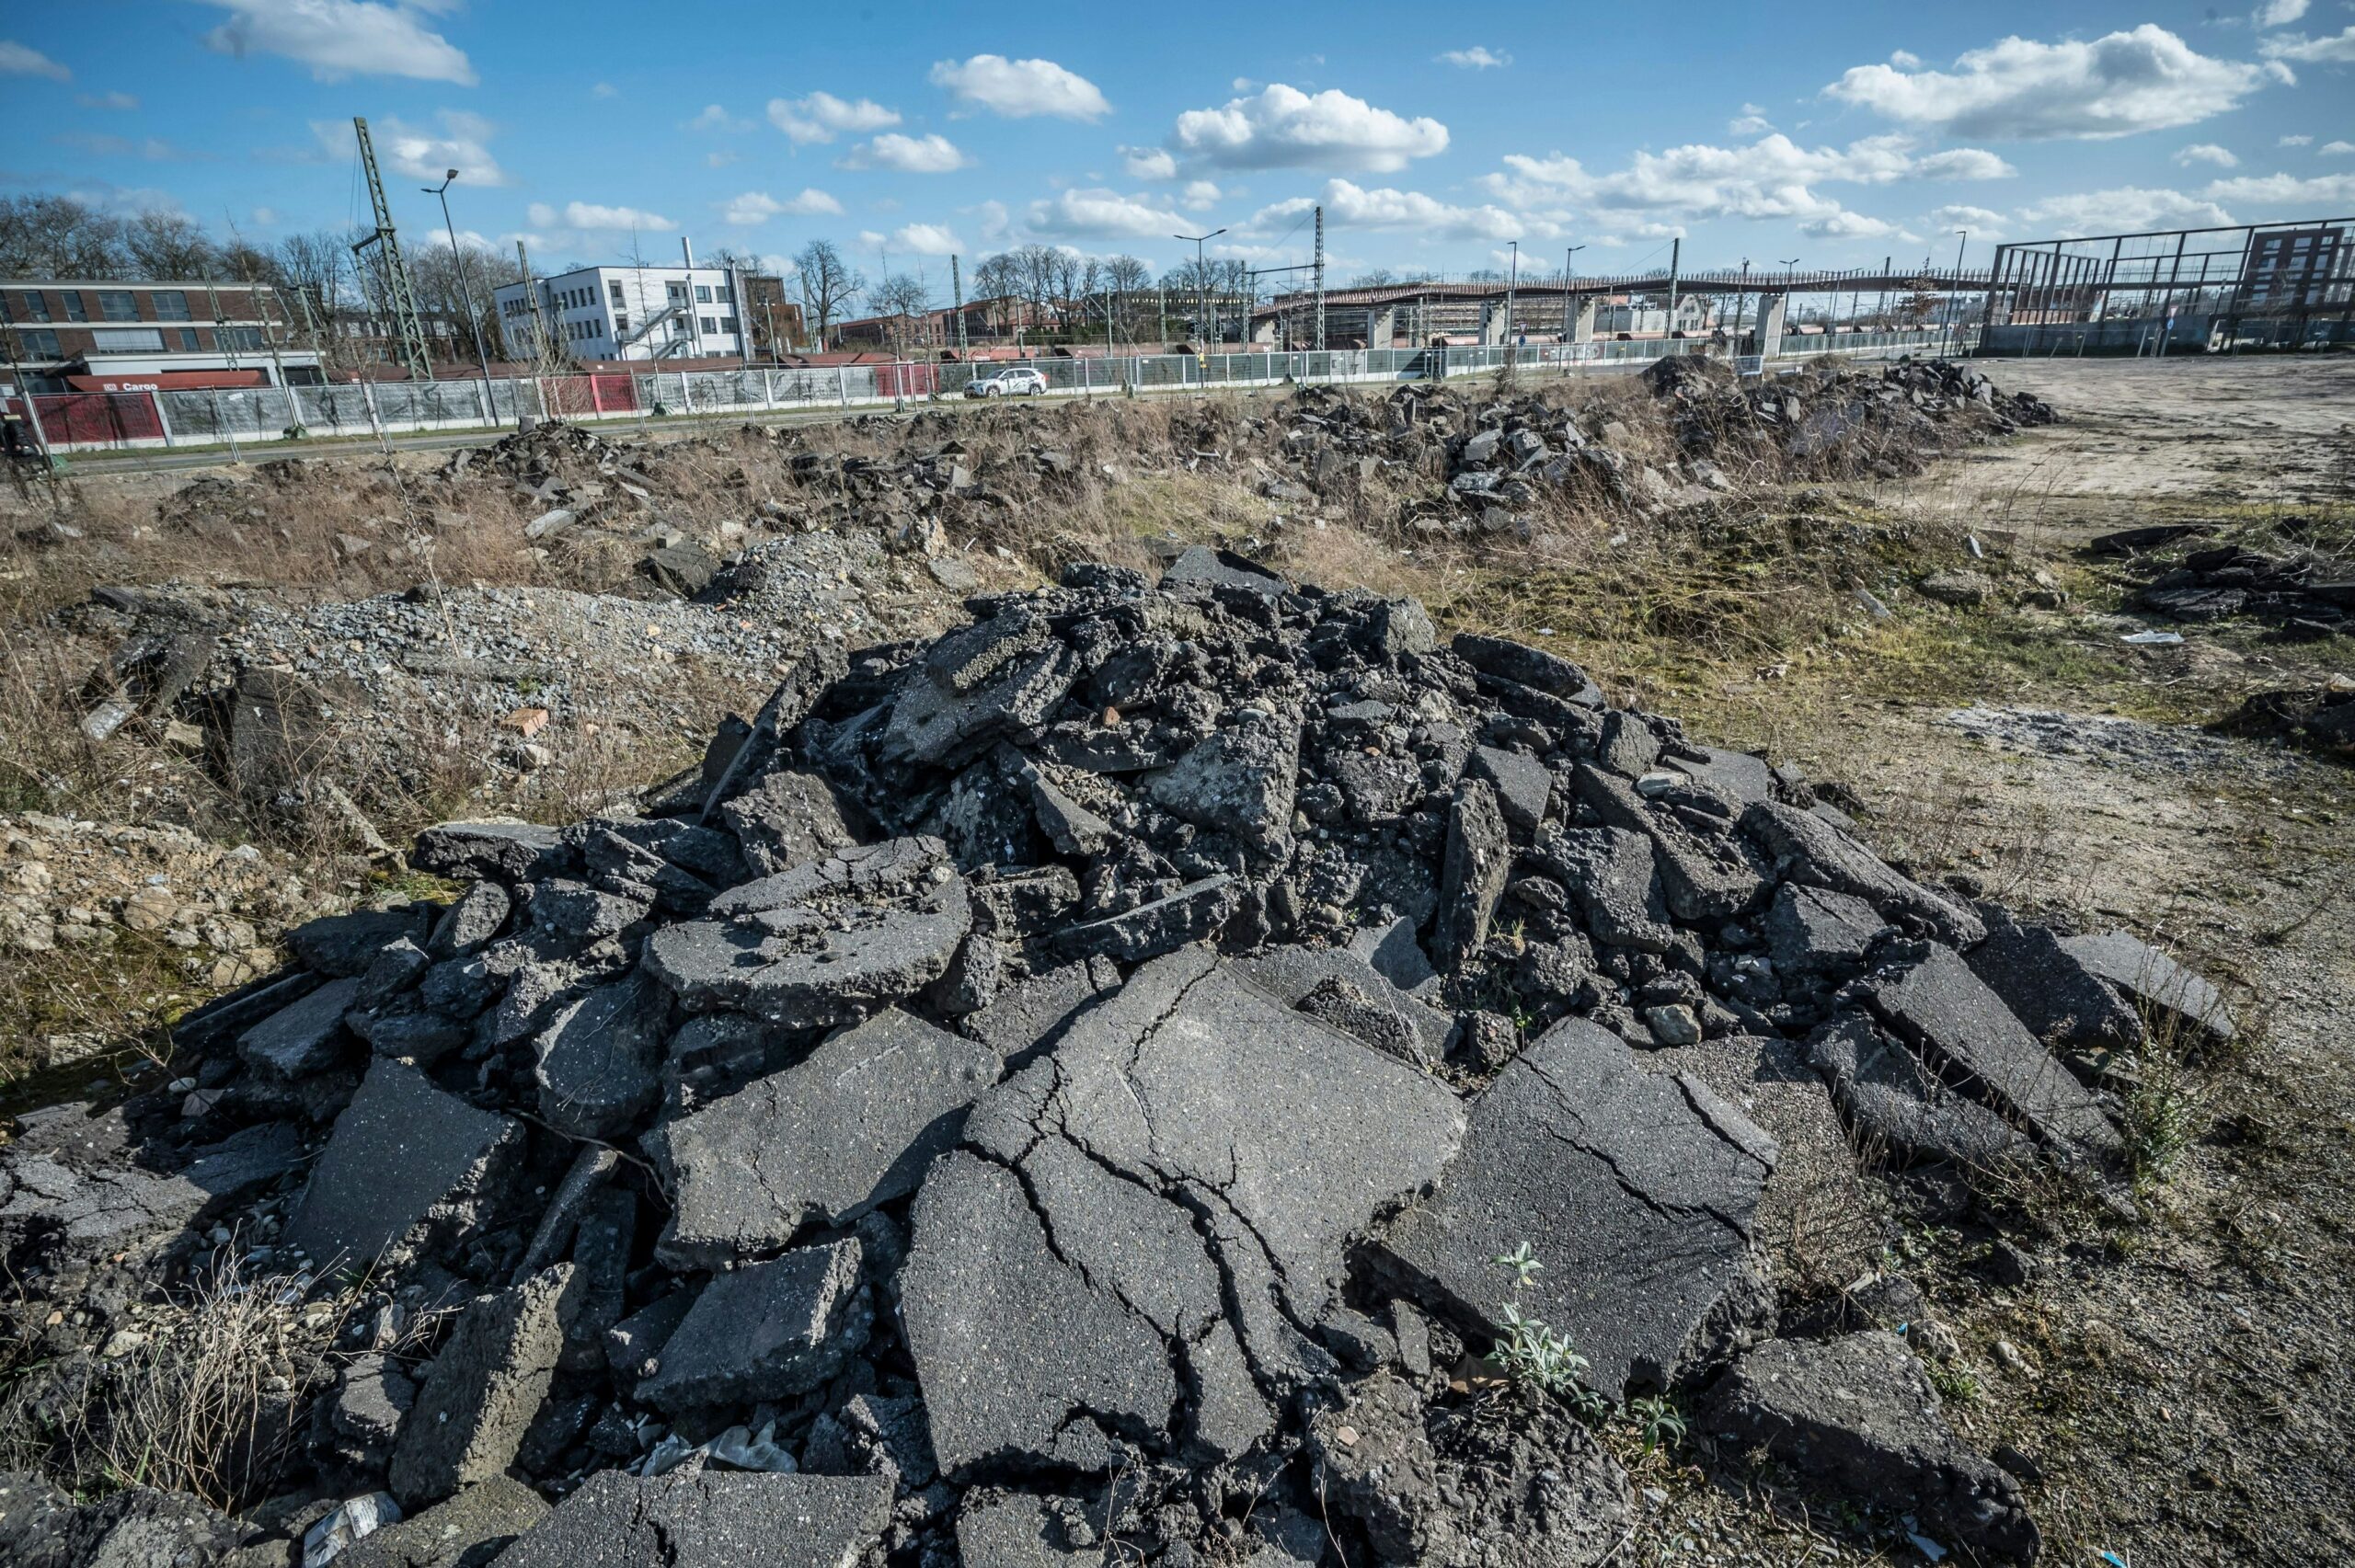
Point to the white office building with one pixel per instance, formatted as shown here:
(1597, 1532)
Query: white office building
(626, 313)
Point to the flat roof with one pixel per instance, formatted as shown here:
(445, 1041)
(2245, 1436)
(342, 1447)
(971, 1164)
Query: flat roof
(122, 283)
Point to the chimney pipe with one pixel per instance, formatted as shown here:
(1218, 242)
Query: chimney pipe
(687, 249)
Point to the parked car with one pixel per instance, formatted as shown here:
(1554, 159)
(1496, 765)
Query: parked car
(1014, 381)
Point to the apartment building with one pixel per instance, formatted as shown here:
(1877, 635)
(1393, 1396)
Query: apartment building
(84, 335)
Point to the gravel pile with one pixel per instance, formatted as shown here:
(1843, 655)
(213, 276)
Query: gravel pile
(1166, 1072)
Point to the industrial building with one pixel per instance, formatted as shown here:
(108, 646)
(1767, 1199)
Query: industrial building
(647, 312)
(80, 335)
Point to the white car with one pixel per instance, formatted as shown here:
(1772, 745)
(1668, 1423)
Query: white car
(1014, 381)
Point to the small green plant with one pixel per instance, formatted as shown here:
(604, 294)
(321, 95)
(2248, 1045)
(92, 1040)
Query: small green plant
(1658, 1420)
(1524, 1264)
(1529, 1351)
(1956, 1383)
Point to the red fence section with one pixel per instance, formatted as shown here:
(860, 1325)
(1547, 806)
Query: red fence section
(901, 380)
(95, 419)
(599, 393)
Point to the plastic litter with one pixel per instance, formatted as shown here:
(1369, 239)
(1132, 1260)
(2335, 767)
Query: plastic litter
(739, 1448)
(351, 1519)
(2153, 639)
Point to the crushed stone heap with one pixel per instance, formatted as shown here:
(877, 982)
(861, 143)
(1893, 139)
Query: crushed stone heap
(1022, 1092)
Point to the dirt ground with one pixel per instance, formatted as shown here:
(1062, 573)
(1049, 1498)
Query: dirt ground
(2178, 1379)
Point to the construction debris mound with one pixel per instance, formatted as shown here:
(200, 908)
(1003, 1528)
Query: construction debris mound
(1166, 1073)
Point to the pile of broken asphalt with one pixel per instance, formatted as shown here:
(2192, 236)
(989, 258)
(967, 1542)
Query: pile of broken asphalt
(1165, 1069)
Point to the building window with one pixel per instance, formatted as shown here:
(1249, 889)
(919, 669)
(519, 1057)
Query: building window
(118, 304)
(703, 293)
(40, 343)
(621, 323)
(36, 305)
(728, 324)
(187, 341)
(146, 340)
(75, 309)
(171, 305)
(711, 326)
(616, 289)
(245, 337)
(724, 294)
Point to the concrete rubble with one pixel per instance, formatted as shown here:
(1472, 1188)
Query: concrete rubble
(1024, 1090)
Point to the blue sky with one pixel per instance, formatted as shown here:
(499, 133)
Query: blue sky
(1433, 135)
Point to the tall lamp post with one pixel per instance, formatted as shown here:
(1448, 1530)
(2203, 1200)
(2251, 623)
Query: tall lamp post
(1512, 283)
(1791, 276)
(1569, 276)
(1954, 297)
(1201, 276)
(467, 288)
(1741, 304)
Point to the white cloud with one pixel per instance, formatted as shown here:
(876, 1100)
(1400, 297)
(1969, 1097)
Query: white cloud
(1984, 222)
(266, 217)
(2336, 149)
(1282, 127)
(1351, 206)
(341, 38)
(2294, 142)
(106, 100)
(2336, 191)
(2207, 153)
(596, 218)
(2279, 13)
(758, 207)
(1479, 57)
(463, 143)
(1751, 122)
(1844, 225)
(604, 90)
(925, 239)
(714, 118)
(933, 154)
(1148, 162)
(1098, 213)
(1199, 195)
(1772, 179)
(718, 159)
(997, 222)
(2125, 210)
(1020, 88)
(2019, 90)
(2337, 49)
(822, 116)
(17, 60)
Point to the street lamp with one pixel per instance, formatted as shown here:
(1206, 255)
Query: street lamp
(1954, 296)
(1569, 275)
(467, 288)
(1740, 303)
(1201, 308)
(1512, 281)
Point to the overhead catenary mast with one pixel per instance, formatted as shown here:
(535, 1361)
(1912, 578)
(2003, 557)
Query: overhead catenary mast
(408, 332)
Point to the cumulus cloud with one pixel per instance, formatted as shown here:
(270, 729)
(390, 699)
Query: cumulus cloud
(2279, 13)
(463, 142)
(1351, 206)
(714, 118)
(1751, 121)
(1984, 222)
(933, 154)
(822, 116)
(1021, 88)
(604, 90)
(925, 239)
(2336, 149)
(2206, 152)
(1148, 162)
(1199, 195)
(1479, 57)
(2294, 142)
(2019, 90)
(1844, 225)
(2337, 49)
(2336, 191)
(1282, 126)
(1099, 214)
(1772, 179)
(754, 207)
(2123, 210)
(106, 100)
(341, 38)
(596, 218)
(22, 60)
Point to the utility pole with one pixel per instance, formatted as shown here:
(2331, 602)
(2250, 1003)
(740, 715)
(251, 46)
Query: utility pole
(408, 332)
(1675, 269)
(1320, 278)
(532, 304)
(1512, 281)
(466, 292)
(1741, 304)
(957, 297)
(1954, 296)
(1569, 276)
(1202, 275)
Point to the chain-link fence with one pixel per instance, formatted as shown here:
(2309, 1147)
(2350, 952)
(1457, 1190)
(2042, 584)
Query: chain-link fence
(232, 415)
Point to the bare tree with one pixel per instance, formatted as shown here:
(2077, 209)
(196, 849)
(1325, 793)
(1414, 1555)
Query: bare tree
(905, 297)
(997, 278)
(167, 246)
(1375, 279)
(56, 236)
(827, 282)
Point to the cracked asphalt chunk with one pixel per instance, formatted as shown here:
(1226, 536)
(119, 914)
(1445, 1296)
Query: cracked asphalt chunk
(1150, 1221)
(1637, 1191)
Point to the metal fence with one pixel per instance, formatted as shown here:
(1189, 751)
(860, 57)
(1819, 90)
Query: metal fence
(234, 417)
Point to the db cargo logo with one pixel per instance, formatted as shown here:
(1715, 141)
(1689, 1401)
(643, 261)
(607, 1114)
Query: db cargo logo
(132, 386)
